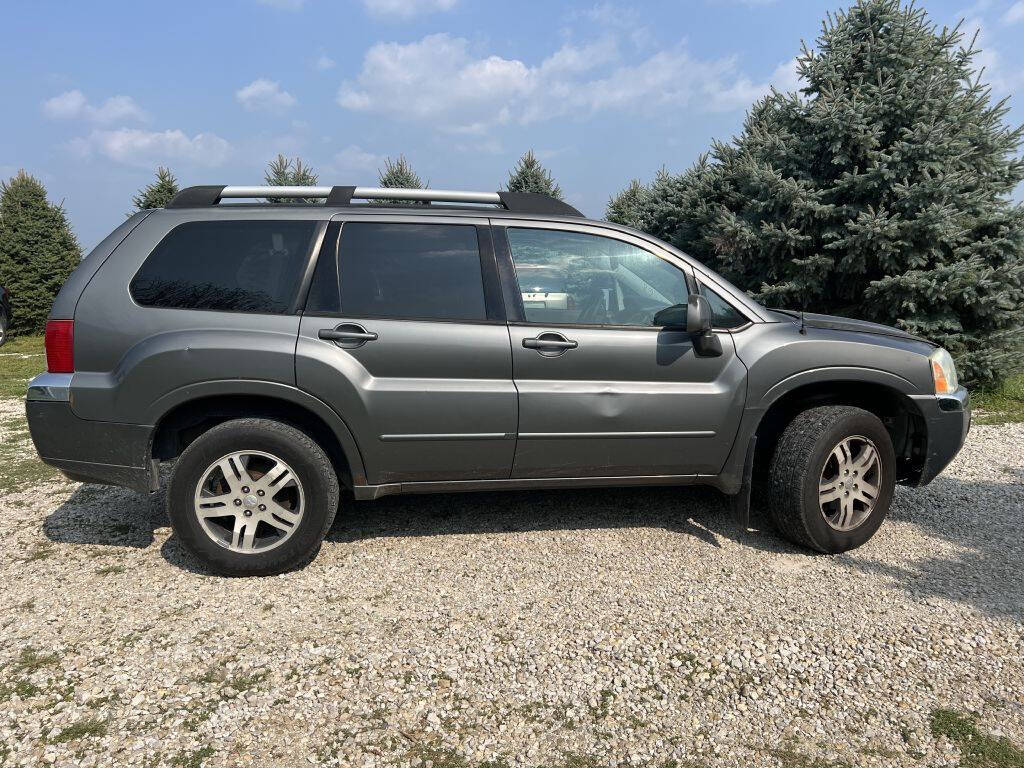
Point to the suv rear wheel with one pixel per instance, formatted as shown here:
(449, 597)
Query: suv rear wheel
(253, 497)
(832, 478)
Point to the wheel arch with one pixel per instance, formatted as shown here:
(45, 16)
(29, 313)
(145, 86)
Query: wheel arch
(183, 414)
(884, 394)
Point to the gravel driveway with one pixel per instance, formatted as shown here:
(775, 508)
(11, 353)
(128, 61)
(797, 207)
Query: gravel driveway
(575, 629)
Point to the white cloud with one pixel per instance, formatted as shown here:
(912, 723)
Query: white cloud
(406, 9)
(73, 105)
(1015, 13)
(356, 163)
(989, 59)
(324, 62)
(786, 77)
(146, 149)
(264, 95)
(439, 79)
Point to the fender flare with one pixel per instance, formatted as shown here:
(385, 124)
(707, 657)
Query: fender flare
(162, 406)
(733, 476)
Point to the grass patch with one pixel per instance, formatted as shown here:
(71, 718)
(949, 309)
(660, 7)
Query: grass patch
(80, 730)
(193, 759)
(30, 660)
(21, 359)
(977, 748)
(110, 569)
(1002, 404)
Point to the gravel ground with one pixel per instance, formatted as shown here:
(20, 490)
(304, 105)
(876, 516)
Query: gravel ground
(574, 629)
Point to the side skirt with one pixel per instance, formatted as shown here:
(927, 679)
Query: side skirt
(369, 492)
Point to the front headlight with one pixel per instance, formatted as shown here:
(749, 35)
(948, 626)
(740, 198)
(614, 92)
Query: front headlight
(943, 372)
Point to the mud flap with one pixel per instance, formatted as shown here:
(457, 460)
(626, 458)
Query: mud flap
(741, 501)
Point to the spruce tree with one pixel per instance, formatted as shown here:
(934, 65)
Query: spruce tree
(881, 190)
(287, 172)
(530, 176)
(398, 174)
(159, 193)
(629, 207)
(38, 251)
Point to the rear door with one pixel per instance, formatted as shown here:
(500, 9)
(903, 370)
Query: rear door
(603, 389)
(404, 335)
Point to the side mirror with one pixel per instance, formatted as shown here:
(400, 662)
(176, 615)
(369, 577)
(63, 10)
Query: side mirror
(698, 314)
(673, 317)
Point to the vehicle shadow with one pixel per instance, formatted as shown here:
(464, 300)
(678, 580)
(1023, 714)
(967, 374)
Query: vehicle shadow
(107, 516)
(979, 526)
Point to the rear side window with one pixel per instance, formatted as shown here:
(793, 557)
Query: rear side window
(403, 271)
(230, 266)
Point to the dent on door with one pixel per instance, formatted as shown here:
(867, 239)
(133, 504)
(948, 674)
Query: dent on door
(624, 402)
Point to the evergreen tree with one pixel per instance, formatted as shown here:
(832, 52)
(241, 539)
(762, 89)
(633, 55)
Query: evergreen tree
(38, 251)
(287, 172)
(881, 190)
(398, 174)
(629, 207)
(530, 176)
(159, 193)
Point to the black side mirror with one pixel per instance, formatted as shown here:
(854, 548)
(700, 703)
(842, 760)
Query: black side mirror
(699, 317)
(673, 317)
(698, 314)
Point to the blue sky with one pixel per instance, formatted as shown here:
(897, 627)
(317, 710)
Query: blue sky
(99, 94)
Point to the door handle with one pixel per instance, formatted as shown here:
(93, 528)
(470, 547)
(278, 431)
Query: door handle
(548, 343)
(347, 334)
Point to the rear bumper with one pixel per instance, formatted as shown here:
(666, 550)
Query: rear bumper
(948, 420)
(87, 451)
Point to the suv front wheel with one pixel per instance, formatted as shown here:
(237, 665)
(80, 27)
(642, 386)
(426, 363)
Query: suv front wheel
(253, 497)
(832, 478)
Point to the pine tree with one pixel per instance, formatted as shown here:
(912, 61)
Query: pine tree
(629, 207)
(881, 190)
(287, 172)
(159, 193)
(530, 176)
(38, 251)
(398, 174)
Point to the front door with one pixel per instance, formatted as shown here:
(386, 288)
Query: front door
(404, 335)
(604, 391)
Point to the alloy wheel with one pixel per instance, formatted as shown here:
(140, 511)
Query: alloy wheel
(850, 482)
(249, 502)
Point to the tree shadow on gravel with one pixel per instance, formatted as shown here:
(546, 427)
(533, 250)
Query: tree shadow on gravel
(108, 516)
(981, 527)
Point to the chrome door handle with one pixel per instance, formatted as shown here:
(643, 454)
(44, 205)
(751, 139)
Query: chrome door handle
(347, 334)
(550, 343)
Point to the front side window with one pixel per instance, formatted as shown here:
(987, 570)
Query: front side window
(231, 266)
(572, 278)
(402, 271)
(725, 314)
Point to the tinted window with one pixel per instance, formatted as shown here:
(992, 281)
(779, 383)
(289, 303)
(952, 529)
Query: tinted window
(428, 271)
(602, 281)
(725, 315)
(237, 266)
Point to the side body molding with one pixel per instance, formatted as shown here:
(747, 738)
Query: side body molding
(165, 404)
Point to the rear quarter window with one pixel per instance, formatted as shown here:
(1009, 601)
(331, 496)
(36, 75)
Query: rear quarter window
(228, 266)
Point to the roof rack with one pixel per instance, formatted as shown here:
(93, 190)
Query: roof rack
(515, 202)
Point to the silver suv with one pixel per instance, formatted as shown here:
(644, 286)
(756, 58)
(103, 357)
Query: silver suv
(277, 353)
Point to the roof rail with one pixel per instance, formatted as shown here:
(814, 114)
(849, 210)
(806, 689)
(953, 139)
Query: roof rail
(515, 202)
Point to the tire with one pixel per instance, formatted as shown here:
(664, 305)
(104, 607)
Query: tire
(277, 531)
(810, 456)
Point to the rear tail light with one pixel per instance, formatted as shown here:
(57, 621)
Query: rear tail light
(60, 346)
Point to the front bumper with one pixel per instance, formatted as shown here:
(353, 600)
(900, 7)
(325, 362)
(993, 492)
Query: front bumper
(947, 421)
(87, 451)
